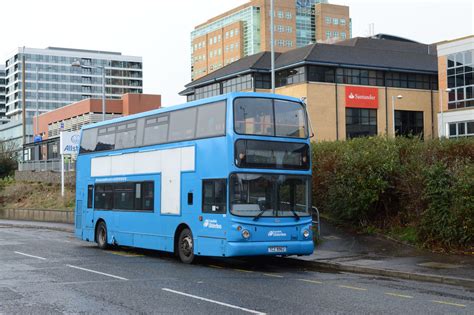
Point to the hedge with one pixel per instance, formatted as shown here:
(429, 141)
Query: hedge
(399, 183)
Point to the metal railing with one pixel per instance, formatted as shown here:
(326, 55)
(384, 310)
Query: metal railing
(47, 166)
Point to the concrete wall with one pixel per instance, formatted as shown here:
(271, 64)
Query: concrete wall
(45, 177)
(60, 216)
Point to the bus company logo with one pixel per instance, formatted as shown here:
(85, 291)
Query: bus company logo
(211, 224)
(276, 233)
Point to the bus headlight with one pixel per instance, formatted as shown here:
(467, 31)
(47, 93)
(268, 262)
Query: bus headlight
(245, 234)
(306, 233)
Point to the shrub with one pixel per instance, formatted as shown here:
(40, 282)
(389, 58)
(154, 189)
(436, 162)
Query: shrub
(402, 184)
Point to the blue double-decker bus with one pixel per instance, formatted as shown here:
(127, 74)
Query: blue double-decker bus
(224, 176)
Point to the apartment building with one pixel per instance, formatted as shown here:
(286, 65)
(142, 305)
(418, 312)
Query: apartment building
(245, 30)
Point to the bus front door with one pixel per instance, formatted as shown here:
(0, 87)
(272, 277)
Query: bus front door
(213, 237)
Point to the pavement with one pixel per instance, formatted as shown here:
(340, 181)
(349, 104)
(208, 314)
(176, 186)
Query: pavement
(46, 271)
(346, 252)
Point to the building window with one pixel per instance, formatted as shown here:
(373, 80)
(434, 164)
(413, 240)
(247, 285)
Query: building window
(408, 123)
(320, 74)
(336, 34)
(288, 15)
(280, 14)
(361, 122)
(460, 71)
(461, 129)
(335, 21)
(236, 31)
(342, 21)
(237, 84)
(328, 20)
(328, 34)
(231, 33)
(289, 29)
(291, 76)
(343, 35)
(226, 34)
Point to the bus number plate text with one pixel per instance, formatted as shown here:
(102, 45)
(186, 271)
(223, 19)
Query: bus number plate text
(277, 249)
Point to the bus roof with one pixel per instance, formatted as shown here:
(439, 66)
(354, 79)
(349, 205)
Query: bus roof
(190, 104)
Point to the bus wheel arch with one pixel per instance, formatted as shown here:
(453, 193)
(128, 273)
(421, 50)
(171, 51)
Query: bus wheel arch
(184, 243)
(100, 235)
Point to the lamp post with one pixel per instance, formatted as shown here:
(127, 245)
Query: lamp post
(272, 45)
(393, 111)
(78, 64)
(442, 130)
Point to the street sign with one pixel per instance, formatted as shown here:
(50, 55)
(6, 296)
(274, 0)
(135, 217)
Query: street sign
(69, 142)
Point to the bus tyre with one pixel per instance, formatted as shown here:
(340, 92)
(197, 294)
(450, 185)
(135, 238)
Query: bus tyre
(101, 235)
(186, 246)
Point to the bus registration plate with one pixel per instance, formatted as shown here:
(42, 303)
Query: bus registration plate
(277, 249)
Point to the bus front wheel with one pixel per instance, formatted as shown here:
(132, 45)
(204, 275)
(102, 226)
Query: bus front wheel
(101, 235)
(186, 246)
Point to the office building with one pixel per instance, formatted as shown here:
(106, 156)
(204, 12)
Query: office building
(456, 84)
(245, 30)
(73, 116)
(2, 95)
(52, 82)
(351, 87)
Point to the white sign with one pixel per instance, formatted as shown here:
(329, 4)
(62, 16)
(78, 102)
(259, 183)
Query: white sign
(69, 142)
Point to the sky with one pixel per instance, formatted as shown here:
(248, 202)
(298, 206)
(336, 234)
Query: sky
(159, 31)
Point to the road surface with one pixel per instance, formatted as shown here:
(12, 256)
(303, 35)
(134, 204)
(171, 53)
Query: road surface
(50, 272)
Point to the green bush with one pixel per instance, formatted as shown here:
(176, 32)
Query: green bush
(405, 184)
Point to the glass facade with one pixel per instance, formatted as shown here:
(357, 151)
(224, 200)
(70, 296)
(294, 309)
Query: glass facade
(305, 22)
(51, 81)
(460, 71)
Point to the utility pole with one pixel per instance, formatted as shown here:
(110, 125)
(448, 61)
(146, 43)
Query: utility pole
(272, 45)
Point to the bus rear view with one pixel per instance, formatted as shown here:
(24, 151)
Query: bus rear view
(224, 176)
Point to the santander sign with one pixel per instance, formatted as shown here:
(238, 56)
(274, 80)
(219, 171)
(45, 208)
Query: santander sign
(362, 97)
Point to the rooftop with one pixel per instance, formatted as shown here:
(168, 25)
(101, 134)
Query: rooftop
(361, 52)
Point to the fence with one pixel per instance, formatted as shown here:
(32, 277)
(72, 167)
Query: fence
(47, 165)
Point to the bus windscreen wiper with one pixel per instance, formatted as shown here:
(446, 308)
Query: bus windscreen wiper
(262, 211)
(295, 214)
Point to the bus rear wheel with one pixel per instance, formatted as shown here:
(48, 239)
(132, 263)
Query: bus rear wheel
(101, 235)
(186, 246)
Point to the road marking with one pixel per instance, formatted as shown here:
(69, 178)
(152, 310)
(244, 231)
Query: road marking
(242, 270)
(448, 303)
(311, 281)
(352, 288)
(273, 275)
(399, 295)
(213, 301)
(97, 272)
(32, 256)
(215, 266)
(123, 253)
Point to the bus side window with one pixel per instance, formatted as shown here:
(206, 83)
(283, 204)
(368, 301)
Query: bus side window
(90, 196)
(214, 195)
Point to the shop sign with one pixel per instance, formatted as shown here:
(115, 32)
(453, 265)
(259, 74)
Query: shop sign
(362, 97)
